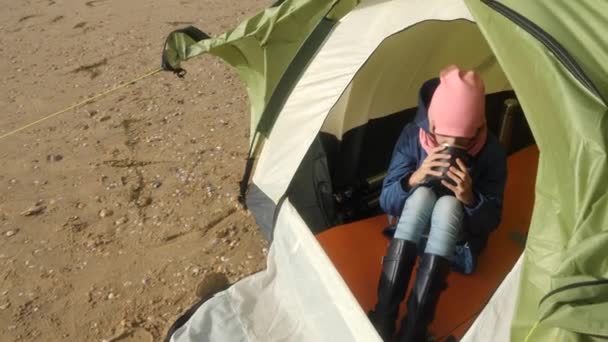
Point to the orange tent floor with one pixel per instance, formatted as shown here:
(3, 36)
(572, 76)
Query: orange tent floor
(356, 249)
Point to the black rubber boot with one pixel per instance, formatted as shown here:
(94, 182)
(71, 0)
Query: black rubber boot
(397, 267)
(430, 282)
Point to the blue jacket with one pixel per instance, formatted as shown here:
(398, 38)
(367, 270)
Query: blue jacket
(489, 174)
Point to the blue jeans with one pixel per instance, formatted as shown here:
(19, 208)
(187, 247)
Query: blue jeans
(444, 216)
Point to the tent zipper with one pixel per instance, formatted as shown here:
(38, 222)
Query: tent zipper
(573, 286)
(549, 42)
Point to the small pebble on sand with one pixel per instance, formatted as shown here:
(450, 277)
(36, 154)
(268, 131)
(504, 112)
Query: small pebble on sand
(120, 221)
(54, 157)
(35, 210)
(105, 213)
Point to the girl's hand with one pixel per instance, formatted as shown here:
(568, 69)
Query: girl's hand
(426, 169)
(463, 190)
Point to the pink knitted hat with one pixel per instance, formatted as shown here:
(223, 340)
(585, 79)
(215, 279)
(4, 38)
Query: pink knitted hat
(457, 108)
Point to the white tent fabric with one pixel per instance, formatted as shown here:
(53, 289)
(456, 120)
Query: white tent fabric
(330, 73)
(389, 80)
(494, 321)
(299, 297)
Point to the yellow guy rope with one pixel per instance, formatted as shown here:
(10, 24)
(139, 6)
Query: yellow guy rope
(120, 86)
(532, 331)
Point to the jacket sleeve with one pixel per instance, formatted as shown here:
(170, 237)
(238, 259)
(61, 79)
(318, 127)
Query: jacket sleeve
(484, 215)
(403, 163)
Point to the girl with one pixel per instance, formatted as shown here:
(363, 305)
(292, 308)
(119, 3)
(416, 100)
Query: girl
(466, 206)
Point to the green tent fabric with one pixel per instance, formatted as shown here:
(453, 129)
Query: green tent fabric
(563, 294)
(554, 54)
(263, 48)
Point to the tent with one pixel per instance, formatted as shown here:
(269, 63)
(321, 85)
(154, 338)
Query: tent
(331, 83)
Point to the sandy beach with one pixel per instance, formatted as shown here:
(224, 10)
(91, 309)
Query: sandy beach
(111, 214)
